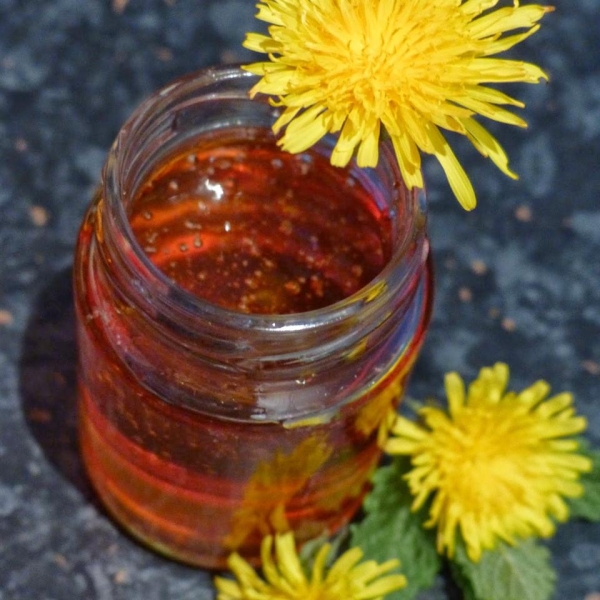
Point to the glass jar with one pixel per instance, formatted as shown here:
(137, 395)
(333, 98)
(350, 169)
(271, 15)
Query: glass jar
(208, 422)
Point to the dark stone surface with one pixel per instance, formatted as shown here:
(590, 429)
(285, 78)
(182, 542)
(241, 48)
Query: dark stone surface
(517, 280)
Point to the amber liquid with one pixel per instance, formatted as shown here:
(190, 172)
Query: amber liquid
(246, 227)
(253, 229)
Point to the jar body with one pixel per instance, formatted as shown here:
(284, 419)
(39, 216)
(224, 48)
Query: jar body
(204, 429)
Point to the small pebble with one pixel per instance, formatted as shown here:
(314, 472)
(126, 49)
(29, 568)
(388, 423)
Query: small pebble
(119, 5)
(6, 317)
(508, 324)
(450, 264)
(592, 367)
(479, 267)
(465, 294)
(21, 145)
(524, 214)
(61, 561)
(121, 576)
(38, 215)
(164, 54)
(229, 56)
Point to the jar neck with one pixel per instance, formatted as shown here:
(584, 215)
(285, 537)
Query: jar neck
(199, 105)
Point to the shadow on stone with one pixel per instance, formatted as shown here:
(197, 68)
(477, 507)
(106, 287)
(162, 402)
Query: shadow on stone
(48, 380)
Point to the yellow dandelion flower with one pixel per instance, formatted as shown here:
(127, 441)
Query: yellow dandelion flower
(285, 578)
(411, 66)
(497, 464)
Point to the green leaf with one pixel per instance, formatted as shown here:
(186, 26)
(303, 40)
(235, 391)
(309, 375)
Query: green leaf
(391, 530)
(462, 582)
(310, 549)
(588, 506)
(521, 572)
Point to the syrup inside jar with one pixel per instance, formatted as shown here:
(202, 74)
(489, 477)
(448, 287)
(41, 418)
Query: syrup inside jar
(239, 223)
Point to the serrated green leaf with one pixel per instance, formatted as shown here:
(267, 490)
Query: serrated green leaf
(391, 530)
(521, 572)
(462, 582)
(588, 506)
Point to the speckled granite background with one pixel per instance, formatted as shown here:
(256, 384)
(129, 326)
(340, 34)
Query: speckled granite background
(517, 280)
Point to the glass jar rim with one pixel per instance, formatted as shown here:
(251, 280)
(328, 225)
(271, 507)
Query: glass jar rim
(232, 82)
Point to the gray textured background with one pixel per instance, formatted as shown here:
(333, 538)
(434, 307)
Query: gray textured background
(517, 280)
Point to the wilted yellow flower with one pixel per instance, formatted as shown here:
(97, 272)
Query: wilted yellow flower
(497, 464)
(411, 66)
(273, 486)
(378, 412)
(285, 579)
